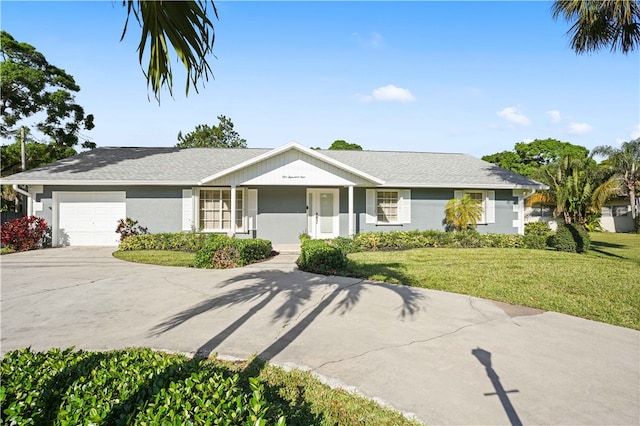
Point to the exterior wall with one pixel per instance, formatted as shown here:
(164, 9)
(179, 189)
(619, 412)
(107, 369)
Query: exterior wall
(613, 220)
(157, 208)
(282, 210)
(282, 213)
(427, 212)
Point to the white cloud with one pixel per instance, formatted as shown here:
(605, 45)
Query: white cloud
(388, 93)
(374, 40)
(555, 115)
(579, 128)
(514, 115)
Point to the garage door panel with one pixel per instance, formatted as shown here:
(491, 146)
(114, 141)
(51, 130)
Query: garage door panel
(89, 218)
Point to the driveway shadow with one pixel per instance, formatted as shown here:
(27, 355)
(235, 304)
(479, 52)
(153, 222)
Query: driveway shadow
(262, 287)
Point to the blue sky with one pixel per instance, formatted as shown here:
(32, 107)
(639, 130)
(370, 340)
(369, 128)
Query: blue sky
(472, 77)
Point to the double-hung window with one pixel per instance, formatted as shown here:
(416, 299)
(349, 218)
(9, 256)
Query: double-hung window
(214, 210)
(388, 206)
(486, 199)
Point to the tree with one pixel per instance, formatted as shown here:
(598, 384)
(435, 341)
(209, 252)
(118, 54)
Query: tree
(205, 136)
(188, 29)
(37, 154)
(344, 145)
(30, 85)
(577, 187)
(529, 159)
(601, 23)
(462, 213)
(624, 162)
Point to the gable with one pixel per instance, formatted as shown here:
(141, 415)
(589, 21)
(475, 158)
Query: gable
(290, 167)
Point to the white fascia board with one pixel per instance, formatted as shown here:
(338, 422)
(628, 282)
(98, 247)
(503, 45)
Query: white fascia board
(462, 186)
(296, 146)
(100, 182)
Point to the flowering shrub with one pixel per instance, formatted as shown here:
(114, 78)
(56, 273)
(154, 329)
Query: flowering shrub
(128, 227)
(24, 233)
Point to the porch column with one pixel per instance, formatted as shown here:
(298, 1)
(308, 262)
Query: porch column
(233, 211)
(352, 231)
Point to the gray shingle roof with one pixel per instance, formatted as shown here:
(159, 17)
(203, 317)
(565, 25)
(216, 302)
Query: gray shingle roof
(175, 166)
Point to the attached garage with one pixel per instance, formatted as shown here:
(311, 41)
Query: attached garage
(87, 218)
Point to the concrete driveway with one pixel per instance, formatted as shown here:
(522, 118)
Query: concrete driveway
(447, 358)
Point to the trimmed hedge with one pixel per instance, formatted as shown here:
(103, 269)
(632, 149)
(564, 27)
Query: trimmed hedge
(212, 250)
(25, 233)
(320, 257)
(128, 387)
(571, 239)
(404, 240)
(183, 241)
(220, 251)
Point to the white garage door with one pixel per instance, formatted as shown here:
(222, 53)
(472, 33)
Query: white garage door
(88, 218)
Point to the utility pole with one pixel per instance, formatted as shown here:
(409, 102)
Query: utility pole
(23, 150)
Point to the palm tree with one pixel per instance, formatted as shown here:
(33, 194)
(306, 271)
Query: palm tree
(573, 185)
(601, 23)
(625, 163)
(462, 213)
(186, 26)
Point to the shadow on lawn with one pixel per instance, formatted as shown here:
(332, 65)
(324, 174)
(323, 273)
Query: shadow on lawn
(601, 247)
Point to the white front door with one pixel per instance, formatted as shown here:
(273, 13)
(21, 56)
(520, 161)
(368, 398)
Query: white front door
(323, 212)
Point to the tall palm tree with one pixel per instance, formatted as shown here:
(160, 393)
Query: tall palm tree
(462, 213)
(625, 163)
(601, 23)
(186, 26)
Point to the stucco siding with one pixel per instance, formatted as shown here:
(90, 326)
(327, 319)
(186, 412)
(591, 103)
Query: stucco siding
(282, 213)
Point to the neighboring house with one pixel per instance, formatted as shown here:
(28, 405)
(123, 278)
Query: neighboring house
(275, 194)
(616, 216)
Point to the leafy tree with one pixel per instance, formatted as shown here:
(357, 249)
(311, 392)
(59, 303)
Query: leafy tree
(205, 136)
(462, 213)
(530, 158)
(601, 23)
(625, 164)
(37, 154)
(30, 85)
(344, 145)
(182, 24)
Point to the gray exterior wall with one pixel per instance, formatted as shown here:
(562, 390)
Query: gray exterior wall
(157, 208)
(282, 213)
(427, 212)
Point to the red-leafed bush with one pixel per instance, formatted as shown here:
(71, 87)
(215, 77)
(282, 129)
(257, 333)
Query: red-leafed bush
(24, 233)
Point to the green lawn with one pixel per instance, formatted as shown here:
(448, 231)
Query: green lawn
(158, 257)
(603, 285)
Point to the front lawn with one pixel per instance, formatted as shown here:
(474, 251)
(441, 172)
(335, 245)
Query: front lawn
(603, 285)
(158, 257)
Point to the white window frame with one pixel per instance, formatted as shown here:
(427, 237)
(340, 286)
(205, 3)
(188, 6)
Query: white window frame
(488, 196)
(242, 212)
(403, 197)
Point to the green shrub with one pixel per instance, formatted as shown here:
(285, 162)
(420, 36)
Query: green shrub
(320, 257)
(570, 238)
(536, 235)
(183, 241)
(220, 251)
(127, 387)
(502, 240)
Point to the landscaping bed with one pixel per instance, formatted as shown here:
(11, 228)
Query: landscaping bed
(140, 386)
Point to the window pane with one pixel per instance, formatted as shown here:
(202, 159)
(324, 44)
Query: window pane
(387, 206)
